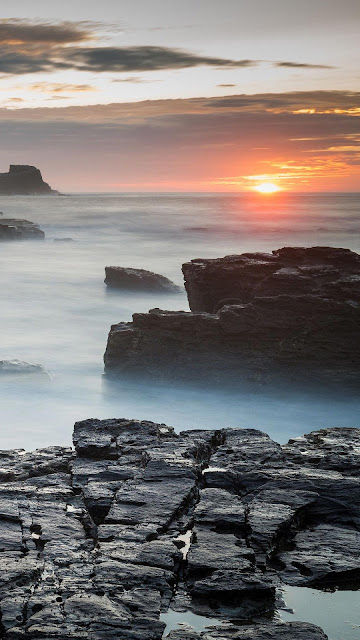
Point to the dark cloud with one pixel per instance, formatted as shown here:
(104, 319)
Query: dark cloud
(20, 32)
(13, 62)
(112, 59)
(35, 47)
(302, 65)
(319, 101)
(226, 85)
(145, 58)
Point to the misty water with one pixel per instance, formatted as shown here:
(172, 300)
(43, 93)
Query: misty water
(56, 310)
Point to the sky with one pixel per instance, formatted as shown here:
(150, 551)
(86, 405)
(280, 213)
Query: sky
(205, 95)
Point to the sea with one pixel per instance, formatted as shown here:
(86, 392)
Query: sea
(56, 312)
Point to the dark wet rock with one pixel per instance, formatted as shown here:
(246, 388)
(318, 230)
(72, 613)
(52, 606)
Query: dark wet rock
(210, 551)
(91, 539)
(241, 595)
(269, 631)
(20, 368)
(131, 279)
(325, 272)
(325, 449)
(324, 555)
(14, 229)
(18, 464)
(290, 315)
(221, 511)
(23, 179)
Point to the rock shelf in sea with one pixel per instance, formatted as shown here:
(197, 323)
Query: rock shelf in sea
(293, 313)
(92, 539)
(128, 278)
(17, 229)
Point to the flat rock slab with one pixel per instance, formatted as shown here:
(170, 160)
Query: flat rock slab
(92, 539)
(327, 272)
(15, 229)
(271, 631)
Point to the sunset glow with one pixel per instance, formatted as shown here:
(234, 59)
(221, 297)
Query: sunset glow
(267, 187)
(155, 102)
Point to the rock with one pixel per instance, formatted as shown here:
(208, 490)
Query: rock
(210, 552)
(131, 279)
(24, 180)
(243, 596)
(19, 368)
(324, 555)
(13, 369)
(89, 539)
(325, 272)
(14, 229)
(269, 631)
(325, 449)
(63, 240)
(290, 315)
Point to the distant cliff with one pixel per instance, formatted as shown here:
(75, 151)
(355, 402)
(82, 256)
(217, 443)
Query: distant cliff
(23, 179)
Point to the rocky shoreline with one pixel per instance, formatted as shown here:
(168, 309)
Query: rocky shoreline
(96, 542)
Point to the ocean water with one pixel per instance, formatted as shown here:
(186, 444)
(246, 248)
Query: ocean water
(56, 310)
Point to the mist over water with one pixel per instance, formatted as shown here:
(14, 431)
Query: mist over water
(56, 310)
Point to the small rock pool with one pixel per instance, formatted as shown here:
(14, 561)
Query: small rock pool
(336, 612)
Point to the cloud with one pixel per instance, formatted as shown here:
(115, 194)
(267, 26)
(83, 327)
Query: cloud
(19, 32)
(196, 142)
(35, 47)
(292, 101)
(15, 59)
(301, 103)
(302, 65)
(144, 58)
(58, 87)
(226, 85)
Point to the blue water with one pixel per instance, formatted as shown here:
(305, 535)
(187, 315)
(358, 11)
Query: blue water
(56, 311)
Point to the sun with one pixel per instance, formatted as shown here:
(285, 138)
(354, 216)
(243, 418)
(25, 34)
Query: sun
(267, 187)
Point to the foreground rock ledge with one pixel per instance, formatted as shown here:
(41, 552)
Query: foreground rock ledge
(92, 540)
(295, 312)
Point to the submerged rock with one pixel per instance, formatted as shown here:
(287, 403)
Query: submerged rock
(19, 368)
(89, 540)
(23, 179)
(138, 280)
(15, 229)
(294, 313)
